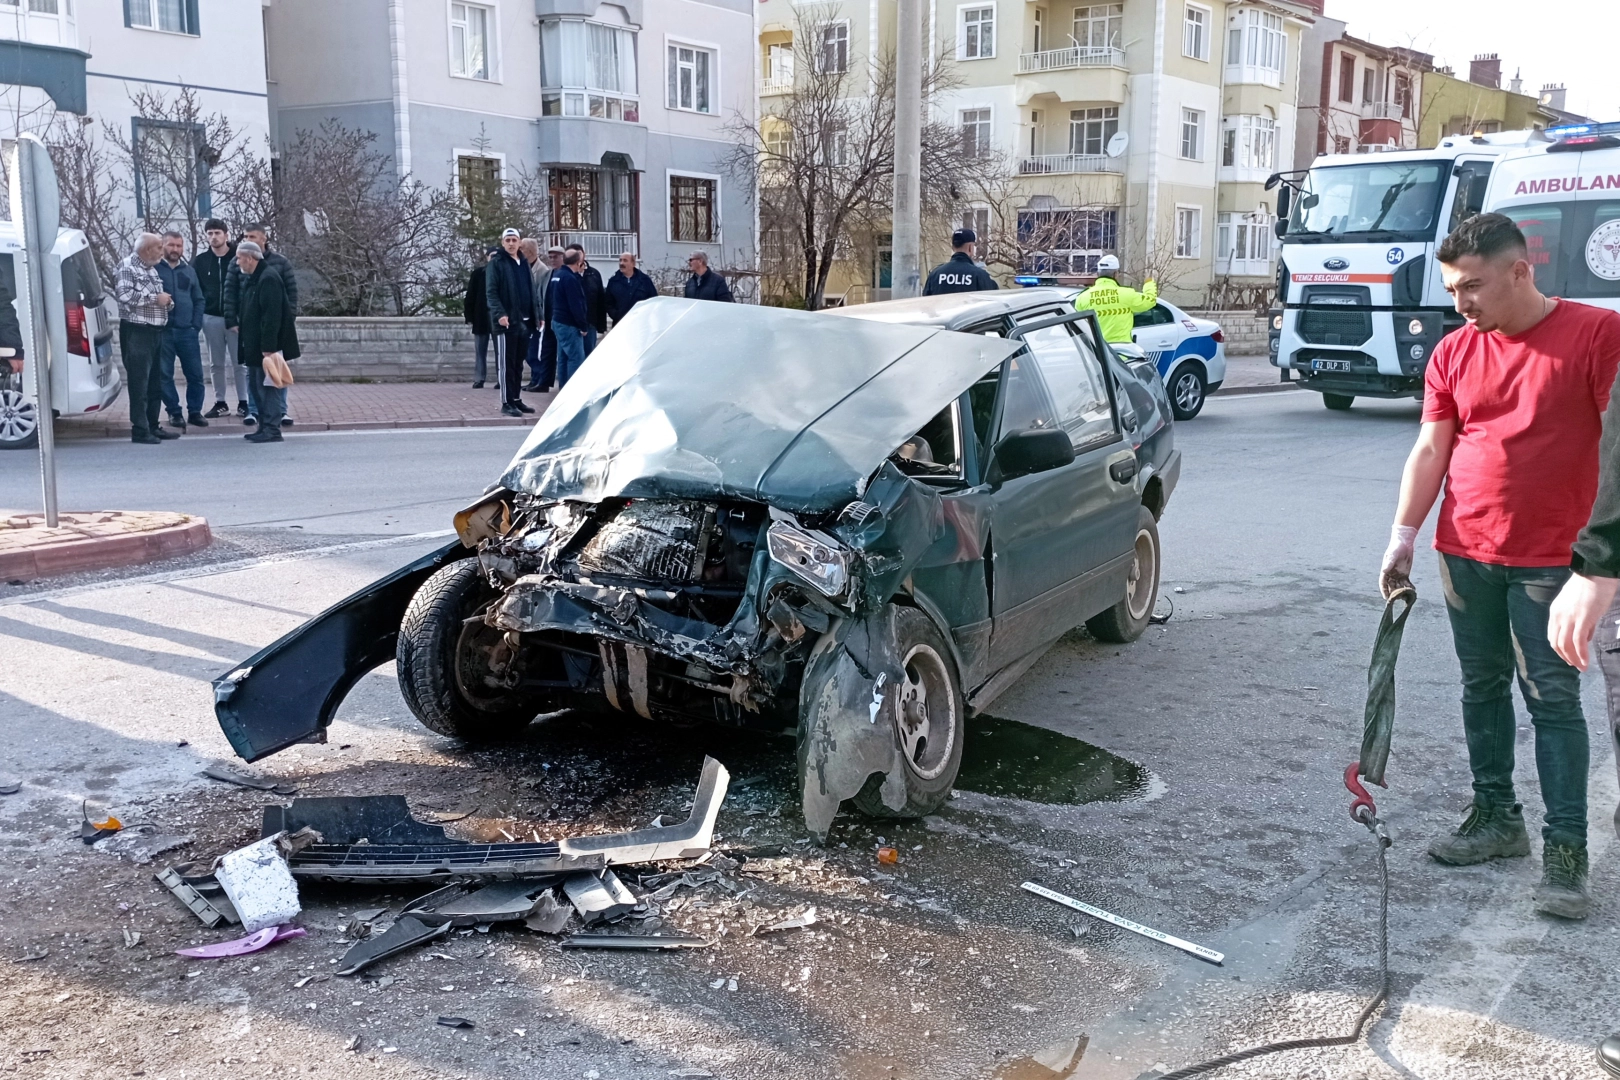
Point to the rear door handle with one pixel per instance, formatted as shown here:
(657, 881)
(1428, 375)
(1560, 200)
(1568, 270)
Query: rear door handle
(1123, 471)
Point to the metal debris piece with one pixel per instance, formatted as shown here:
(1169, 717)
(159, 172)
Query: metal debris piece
(138, 847)
(798, 922)
(252, 943)
(1125, 924)
(187, 894)
(550, 915)
(687, 840)
(501, 901)
(599, 897)
(259, 884)
(231, 776)
(633, 941)
(454, 1022)
(407, 932)
(132, 938)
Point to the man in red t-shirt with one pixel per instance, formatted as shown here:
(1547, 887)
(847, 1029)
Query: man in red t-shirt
(1512, 414)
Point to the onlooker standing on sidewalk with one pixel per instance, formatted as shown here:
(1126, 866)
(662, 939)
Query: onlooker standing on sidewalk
(268, 326)
(143, 310)
(233, 289)
(510, 293)
(211, 266)
(595, 298)
(540, 274)
(548, 336)
(627, 288)
(1512, 413)
(180, 335)
(570, 318)
(705, 284)
(475, 312)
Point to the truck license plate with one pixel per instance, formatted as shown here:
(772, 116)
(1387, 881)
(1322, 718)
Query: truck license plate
(1330, 365)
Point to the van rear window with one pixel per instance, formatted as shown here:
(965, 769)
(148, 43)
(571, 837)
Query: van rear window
(79, 279)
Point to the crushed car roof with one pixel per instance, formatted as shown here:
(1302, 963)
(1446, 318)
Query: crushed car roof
(956, 310)
(693, 399)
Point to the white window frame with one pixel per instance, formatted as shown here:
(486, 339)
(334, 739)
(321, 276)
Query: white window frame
(984, 146)
(1197, 120)
(1195, 34)
(1258, 255)
(1245, 130)
(459, 152)
(821, 47)
(1195, 249)
(151, 9)
(962, 13)
(669, 219)
(778, 55)
(714, 76)
(492, 47)
(1257, 48)
(1077, 147)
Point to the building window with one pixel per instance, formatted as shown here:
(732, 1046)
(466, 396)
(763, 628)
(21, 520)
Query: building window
(1369, 83)
(977, 39)
(1090, 129)
(1189, 231)
(1258, 44)
(1243, 243)
(170, 16)
(171, 176)
(834, 55)
(691, 74)
(833, 146)
(1195, 32)
(1250, 143)
(1347, 77)
(977, 218)
(1192, 134)
(478, 180)
(1039, 27)
(975, 132)
(588, 69)
(779, 63)
(692, 210)
(1097, 26)
(594, 200)
(1066, 241)
(469, 41)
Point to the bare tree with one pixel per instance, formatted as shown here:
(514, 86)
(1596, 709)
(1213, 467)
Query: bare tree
(93, 194)
(1025, 237)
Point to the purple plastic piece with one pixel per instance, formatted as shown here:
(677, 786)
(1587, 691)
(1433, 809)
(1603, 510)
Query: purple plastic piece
(255, 941)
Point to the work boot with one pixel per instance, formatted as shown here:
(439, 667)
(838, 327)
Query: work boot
(165, 434)
(196, 419)
(1562, 891)
(1609, 1055)
(1488, 832)
(264, 435)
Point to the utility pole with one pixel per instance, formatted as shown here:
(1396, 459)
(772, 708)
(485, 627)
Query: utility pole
(36, 208)
(907, 223)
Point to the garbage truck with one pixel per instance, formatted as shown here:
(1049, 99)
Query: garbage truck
(1361, 304)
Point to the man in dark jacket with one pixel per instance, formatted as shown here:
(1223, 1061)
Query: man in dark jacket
(595, 298)
(212, 266)
(705, 284)
(475, 312)
(509, 290)
(627, 288)
(570, 317)
(257, 233)
(267, 326)
(546, 374)
(180, 335)
(959, 273)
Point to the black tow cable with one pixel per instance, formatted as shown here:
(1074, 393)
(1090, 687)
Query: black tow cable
(1380, 720)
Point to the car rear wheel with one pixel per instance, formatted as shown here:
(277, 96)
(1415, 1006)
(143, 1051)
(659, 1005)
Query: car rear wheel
(930, 721)
(452, 671)
(1126, 620)
(1338, 402)
(19, 421)
(1187, 388)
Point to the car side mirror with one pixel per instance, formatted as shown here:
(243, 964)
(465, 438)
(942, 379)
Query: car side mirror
(1024, 453)
(1284, 199)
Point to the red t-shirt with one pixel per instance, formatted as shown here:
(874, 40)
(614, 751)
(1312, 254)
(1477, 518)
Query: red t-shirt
(1529, 411)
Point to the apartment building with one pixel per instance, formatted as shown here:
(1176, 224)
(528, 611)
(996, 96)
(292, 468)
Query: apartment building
(1368, 99)
(1144, 128)
(623, 107)
(1453, 106)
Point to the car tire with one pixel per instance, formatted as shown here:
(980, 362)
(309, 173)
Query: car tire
(1126, 620)
(440, 656)
(1187, 388)
(19, 421)
(931, 682)
(1338, 402)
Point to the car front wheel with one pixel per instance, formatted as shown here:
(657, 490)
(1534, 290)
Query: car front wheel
(1126, 620)
(1187, 389)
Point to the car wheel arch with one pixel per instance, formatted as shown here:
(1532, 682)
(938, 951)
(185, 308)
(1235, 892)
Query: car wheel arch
(910, 597)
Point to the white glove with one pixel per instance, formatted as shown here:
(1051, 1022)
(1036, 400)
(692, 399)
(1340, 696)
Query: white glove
(1396, 571)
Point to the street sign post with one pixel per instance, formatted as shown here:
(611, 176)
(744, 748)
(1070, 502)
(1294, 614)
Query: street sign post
(36, 206)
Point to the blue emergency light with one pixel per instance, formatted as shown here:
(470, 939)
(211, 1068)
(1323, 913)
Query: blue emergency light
(1571, 138)
(1026, 280)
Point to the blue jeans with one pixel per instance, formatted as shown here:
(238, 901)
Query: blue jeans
(590, 341)
(1499, 626)
(269, 402)
(480, 356)
(570, 352)
(182, 342)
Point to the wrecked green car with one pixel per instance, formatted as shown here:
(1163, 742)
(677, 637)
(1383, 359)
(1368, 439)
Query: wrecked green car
(855, 527)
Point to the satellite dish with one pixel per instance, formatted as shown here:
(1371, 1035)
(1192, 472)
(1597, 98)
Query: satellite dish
(1116, 145)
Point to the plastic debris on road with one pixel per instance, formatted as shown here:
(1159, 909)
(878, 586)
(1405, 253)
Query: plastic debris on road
(255, 941)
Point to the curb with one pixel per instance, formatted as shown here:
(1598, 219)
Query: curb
(83, 432)
(105, 552)
(1266, 388)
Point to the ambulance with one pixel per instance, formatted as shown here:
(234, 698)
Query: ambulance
(1362, 304)
(1565, 197)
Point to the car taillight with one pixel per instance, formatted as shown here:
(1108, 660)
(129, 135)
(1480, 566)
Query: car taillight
(1219, 337)
(78, 340)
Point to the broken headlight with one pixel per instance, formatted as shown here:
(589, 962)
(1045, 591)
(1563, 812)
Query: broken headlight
(815, 557)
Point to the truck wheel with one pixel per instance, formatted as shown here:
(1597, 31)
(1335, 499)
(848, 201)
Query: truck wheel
(931, 721)
(1126, 620)
(444, 661)
(19, 421)
(1187, 388)
(1338, 402)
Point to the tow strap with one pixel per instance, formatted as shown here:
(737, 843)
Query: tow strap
(1380, 722)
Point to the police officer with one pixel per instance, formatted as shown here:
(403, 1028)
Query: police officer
(1114, 303)
(961, 273)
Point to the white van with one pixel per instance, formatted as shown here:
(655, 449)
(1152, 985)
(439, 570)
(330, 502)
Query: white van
(1565, 196)
(84, 378)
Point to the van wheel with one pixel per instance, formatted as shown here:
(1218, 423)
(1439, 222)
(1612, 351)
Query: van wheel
(931, 721)
(19, 421)
(447, 665)
(1126, 620)
(1187, 389)
(1338, 402)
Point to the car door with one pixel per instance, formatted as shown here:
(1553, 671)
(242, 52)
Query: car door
(1061, 539)
(1158, 332)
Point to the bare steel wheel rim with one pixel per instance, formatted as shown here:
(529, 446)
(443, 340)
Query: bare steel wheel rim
(17, 416)
(1188, 394)
(926, 714)
(483, 657)
(1144, 574)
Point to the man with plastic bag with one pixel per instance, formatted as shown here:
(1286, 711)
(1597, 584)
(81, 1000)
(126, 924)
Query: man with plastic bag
(1116, 305)
(268, 329)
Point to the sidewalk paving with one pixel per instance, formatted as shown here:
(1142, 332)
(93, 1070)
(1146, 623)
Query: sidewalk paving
(93, 541)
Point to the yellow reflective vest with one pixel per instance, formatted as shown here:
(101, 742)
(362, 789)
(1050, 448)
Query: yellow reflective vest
(1115, 304)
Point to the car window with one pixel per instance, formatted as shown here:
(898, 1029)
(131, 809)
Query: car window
(1077, 383)
(935, 450)
(1026, 406)
(1157, 315)
(982, 399)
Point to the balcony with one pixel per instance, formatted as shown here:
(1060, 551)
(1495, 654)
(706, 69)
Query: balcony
(598, 245)
(1059, 164)
(776, 86)
(1038, 63)
(1382, 110)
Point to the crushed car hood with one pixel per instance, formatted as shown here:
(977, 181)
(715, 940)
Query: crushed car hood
(689, 398)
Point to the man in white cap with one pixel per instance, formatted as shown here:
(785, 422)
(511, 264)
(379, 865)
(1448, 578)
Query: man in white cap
(1114, 303)
(509, 290)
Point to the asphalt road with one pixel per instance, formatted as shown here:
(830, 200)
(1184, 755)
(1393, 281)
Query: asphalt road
(1244, 710)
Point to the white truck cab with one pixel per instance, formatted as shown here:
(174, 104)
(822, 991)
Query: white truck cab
(1565, 197)
(1362, 304)
(84, 378)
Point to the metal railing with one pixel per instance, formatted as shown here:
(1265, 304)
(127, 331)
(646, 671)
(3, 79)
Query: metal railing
(598, 245)
(1383, 110)
(1034, 63)
(776, 85)
(1049, 164)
